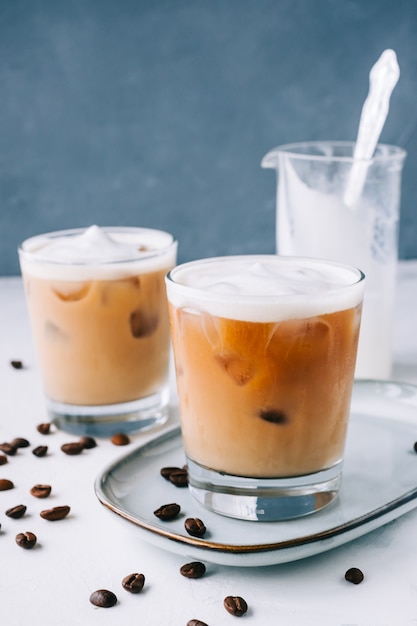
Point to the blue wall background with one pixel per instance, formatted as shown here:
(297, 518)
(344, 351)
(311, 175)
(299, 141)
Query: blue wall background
(158, 113)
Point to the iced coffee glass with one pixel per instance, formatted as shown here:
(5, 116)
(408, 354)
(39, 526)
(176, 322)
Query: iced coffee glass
(98, 310)
(265, 350)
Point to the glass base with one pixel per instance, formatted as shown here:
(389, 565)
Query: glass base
(107, 420)
(263, 499)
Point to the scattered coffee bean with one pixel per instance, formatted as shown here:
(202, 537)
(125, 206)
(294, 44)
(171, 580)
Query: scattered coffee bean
(168, 511)
(16, 364)
(274, 416)
(120, 439)
(55, 514)
(20, 442)
(195, 569)
(44, 428)
(196, 622)
(5, 484)
(73, 448)
(235, 605)
(179, 478)
(3, 459)
(8, 448)
(415, 446)
(88, 443)
(166, 471)
(103, 598)
(170, 469)
(195, 527)
(16, 512)
(354, 575)
(41, 491)
(26, 540)
(40, 451)
(133, 583)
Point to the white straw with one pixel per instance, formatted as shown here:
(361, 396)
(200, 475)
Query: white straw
(383, 77)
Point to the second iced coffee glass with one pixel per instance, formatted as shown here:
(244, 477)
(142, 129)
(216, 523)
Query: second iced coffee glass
(98, 310)
(265, 350)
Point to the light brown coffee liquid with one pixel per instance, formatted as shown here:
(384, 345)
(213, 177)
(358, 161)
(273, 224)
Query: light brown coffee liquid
(102, 341)
(265, 399)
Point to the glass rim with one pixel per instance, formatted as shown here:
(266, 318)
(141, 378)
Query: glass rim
(393, 152)
(36, 256)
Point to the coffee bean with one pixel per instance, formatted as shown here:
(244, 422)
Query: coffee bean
(133, 583)
(41, 491)
(26, 540)
(103, 598)
(171, 469)
(354, 575)
(120, 439)
(195, 527)
(20, 442)
(3, 459)
(196, 622)
(195, 569)
(274, 416)
(16, 364)
(16, 512)
(166, 471)
(8, 449)
(55, 514)
(88, 443)
(73, 448)
(40, 451)
(5, 484)
(179, 478)
(235, 605)
(415, 446)
(168, 511)
(44, 428)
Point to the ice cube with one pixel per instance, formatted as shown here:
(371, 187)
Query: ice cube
(143, 324)
(71, 291)
(239, 369)
(318, 330)
(54, 333)
(134, 281)
(211, 330)
(310, 341)
(112, 291)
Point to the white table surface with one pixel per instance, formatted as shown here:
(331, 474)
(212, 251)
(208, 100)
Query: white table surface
(93, 549)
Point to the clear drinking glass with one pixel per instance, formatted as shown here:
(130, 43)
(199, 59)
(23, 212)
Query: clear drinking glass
(100, 326)
(264, 350)
(315, 219)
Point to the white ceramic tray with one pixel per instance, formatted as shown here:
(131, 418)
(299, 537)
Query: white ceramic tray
(379, 484)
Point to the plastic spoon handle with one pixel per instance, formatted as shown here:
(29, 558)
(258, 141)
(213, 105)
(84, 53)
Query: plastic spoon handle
(383, 77)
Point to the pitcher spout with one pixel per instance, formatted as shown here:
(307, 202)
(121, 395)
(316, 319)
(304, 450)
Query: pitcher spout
(270, 160)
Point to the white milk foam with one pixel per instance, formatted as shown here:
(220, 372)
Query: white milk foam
(97, 253)
(265, 288)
